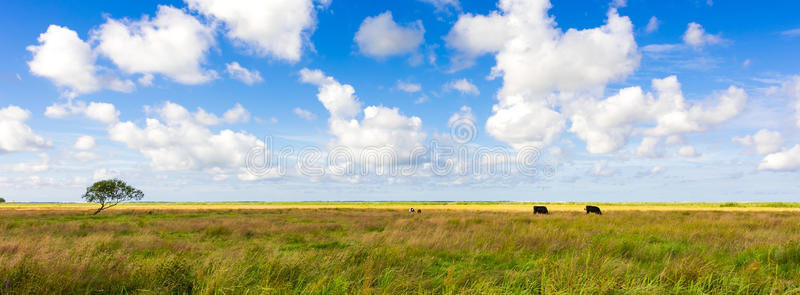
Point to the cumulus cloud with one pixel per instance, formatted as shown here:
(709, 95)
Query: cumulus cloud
(442, 5)
(339, 99)
(69, 62)
(15, 135)
(173, 112)
(696, 36)
(462, 85)
(237, 114)
(104, 173)
(85, 143)
(764, 141)
(601, 168)
(535, 58)
(409, 87)
(279, 29)
(688, 151)
(605, 125)
(33, 167)
(173, 44)
(380, 127)
(650, 148)
(305, 114)
(237, 72)
(99, 111)
(380, 36)
(524, 122)
(652, 25)
(175, 140)
(786, 160)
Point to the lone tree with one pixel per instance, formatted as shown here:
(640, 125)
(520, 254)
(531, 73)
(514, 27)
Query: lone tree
(109, 193)
(2, 200)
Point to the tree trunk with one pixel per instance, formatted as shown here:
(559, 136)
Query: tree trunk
(102, 206)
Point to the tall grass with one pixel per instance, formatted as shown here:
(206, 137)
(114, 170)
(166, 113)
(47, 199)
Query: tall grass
(365, 251)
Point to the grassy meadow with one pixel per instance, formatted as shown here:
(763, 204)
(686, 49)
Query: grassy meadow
(367, 248)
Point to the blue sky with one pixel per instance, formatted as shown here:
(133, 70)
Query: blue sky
(623, 100)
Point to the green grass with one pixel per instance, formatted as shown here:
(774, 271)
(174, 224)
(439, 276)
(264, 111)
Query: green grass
(377, 250)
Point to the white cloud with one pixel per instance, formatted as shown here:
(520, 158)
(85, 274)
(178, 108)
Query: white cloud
(65, 59)
(237, 114)
(15, 135)
(237, 72)
(173, 43)
(606, 125)
(83, 156)
(697, 37)
(103, 112)
(305, 114)
(619, 3)
(85, 143)
(409, 87)
(172, 112)
(765, 141)
(104, 174)
(535, 58)
(33, 167)
(278, 28)
(652, 25)
(380, 36)
(146, 80)
(675, 116)
(442, 5)
(338, 99)
(464, 86)
(525, 123)
(657, 170)
(688, 151)
(380, 127)
(176, 141)
(464, 113)
(650, 148)
(69, 62)
(786, 160)
(659, 48)
(601, 168)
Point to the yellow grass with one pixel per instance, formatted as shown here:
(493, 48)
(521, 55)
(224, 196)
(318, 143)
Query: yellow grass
(461, 206)
(380, 248)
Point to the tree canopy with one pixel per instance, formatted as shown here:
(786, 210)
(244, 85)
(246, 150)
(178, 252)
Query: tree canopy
(109, 193)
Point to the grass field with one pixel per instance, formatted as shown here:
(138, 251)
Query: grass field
(365, 248)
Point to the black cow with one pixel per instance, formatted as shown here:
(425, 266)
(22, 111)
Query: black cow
(411, 210)
(593, 209)
(419, 211)
(540, 210)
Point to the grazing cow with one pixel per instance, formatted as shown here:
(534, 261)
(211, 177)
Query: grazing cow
(411, 210)
(593, 209)
(540, 210)
(419, 211)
